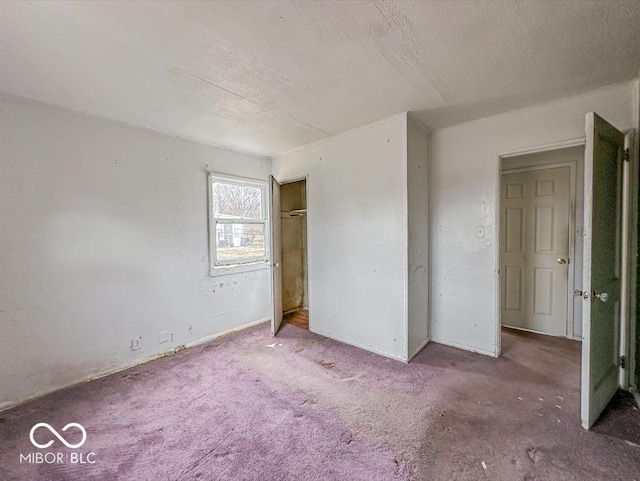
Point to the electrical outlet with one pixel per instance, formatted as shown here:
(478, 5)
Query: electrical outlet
(163, 337)
(136, 343)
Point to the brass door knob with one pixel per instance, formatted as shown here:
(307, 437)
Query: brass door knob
(562, 261)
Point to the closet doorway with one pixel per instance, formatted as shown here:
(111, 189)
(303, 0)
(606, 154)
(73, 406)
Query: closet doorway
(290, 253)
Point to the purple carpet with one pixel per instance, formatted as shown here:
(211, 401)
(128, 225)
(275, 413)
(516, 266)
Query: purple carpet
(310, 408)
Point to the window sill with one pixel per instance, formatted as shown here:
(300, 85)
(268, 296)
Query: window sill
(238, 268)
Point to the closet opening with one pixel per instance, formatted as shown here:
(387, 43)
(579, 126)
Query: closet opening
(293, 225)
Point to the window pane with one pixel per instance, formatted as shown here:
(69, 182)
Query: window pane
(238, 243)
(236, 201)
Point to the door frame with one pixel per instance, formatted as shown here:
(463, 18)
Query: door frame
(580, 141)
(631, 175)
(290, 180)
(570, 320)
(628, 324)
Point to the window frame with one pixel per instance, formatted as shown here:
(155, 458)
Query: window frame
(216, 267)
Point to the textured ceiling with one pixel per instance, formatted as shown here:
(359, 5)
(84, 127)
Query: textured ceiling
(267, 77)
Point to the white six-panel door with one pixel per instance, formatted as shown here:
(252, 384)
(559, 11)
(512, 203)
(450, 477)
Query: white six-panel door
(535, 250)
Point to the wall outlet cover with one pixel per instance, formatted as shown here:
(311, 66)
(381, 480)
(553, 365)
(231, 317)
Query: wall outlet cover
(163, 337)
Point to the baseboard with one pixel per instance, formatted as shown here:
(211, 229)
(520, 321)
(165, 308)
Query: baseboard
(524, 329)
(226, 333)
(413, 353)
(109, 372)
(465, 347)
(360, 346)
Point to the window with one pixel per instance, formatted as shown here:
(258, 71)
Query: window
(238, 221)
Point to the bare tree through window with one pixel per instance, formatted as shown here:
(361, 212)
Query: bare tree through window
(237, 201)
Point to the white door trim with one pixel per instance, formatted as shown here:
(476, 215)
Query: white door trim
(498, 176)
(541, 148)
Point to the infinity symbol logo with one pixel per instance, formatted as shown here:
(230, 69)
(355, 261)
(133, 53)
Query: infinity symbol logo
(55, 433)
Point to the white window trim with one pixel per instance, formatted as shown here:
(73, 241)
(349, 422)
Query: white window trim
(251, 265)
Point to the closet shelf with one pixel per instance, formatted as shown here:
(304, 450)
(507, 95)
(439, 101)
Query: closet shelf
(297, 212)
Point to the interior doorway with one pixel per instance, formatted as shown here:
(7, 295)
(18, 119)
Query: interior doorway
(293, 226)
(288, 213)
(541, 207)
(598, 283)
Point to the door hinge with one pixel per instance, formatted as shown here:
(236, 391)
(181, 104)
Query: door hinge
(623, 363)
(626, 154)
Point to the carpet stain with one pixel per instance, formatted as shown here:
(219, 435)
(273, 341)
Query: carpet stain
(534, 455)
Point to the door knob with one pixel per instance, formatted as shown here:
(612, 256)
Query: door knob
(603, 296)
(562, 261)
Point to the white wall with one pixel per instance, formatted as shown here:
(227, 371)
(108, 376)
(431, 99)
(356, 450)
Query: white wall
(464, 185)
(418, 219)
(104, 237)
(357, 234)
